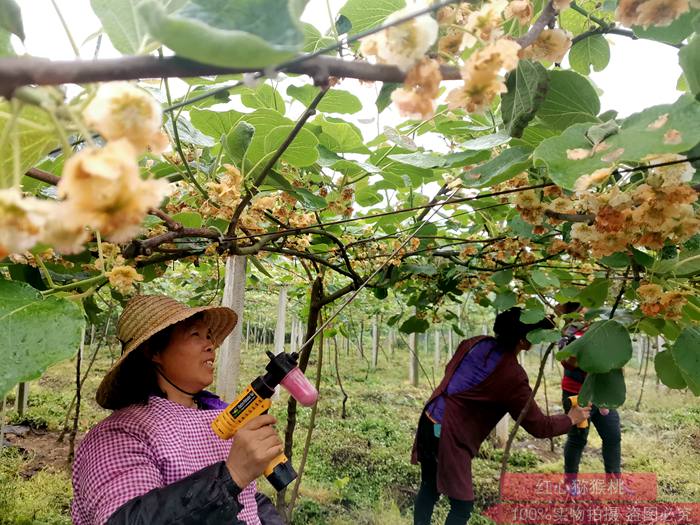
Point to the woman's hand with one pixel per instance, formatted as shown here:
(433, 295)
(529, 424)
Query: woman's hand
(253, 447)
(579, 414)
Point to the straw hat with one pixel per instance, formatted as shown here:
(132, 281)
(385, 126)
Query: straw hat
(146, 315)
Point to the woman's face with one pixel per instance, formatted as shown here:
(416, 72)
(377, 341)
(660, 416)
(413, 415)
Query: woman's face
(188, 360)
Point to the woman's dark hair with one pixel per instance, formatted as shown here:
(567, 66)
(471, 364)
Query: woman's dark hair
(509, 329)
(137, 378)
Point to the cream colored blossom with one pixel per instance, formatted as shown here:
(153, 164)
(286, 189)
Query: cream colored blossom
(647, 13)
(22, 221)
(103, 190)
(420, 89)
(67, 232)
(519, 9)
(122, 279)
(402, 45)
(551, 45)
(485, 24)
(482, 76)
(561, 5)
(584, 182)
(121, 110)
(672, 174)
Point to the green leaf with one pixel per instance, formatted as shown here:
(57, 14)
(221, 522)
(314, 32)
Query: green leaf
(314, 40)
(27, 346)
(686, 354)
(237, 141)
(301, 152)
(420, 269)
(366, 14)
(6, 49)
(334, 101)
(429, 159)
(604, 390)
(264, 96)
(384, 98)
(667, 370)
(188, 133)
(124, 26)
(571, 98)
(603, 347)
(487, 142)
(689, 58)
(502, 278)
(594, 295)
(593, 51)
(11, 18)
(505, 300)
(37, 137)
(687, 264)
(214, 123)
(413, 325)
(527, 88)
(368, 196)
(189, 219)
(640, 135)
(506, 166)
(545, 280)
(244, 33)
(543, 335)
(340, 136)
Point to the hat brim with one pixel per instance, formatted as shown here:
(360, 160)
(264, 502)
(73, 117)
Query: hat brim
(221, 319)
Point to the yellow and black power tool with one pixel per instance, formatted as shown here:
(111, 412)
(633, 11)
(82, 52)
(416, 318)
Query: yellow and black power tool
(255, 401)
(574, 403)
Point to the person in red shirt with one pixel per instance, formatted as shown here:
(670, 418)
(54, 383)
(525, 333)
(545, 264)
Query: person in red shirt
(606, 421)
(483, 381)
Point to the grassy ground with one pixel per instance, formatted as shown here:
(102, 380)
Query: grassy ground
(358, 471)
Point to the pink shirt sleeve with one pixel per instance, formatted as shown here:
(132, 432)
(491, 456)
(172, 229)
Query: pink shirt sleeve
(115, 466)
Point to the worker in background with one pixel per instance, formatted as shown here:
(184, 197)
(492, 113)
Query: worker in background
(483, 381)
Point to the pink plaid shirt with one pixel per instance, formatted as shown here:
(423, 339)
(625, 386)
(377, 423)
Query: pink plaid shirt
(143, 447)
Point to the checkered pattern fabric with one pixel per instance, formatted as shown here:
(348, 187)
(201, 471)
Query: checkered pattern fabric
(143, 447)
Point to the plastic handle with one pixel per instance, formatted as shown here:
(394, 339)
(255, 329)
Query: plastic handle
(299, 387)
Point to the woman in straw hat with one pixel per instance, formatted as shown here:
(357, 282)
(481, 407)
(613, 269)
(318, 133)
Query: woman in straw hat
(155, 459)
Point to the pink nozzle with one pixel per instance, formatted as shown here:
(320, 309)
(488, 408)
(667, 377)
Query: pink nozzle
(299, 387)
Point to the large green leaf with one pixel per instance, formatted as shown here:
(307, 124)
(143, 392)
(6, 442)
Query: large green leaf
(237, 141)
(604, 390)
(668, 128)
(689, 58)
(687, 264)
(6, 49)
(11, 18)
(36, 135)
(605, 346)
(667, 370)
(340, 136)
(365, 14)
(430, 160)
(244, 33)
(263, 96)
(301, 152)
(506, 166)
(214, 123)
(413, 324)
(124, 26)
(686, 354)
(594, 295)
(34, 332)
(334, 101)
(590, 52)
(527, 88)
(314, 40)
(571, 98)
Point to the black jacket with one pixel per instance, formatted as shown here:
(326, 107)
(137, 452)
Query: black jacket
(207, 497)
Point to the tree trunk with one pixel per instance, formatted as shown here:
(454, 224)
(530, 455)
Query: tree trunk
(315, 306)
(230, 352)
(22, 398)
(412, 359)
(375, 341)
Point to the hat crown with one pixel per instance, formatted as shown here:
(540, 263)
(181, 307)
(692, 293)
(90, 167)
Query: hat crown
(140, 313)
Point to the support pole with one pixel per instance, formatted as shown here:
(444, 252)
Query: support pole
(230, 352)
